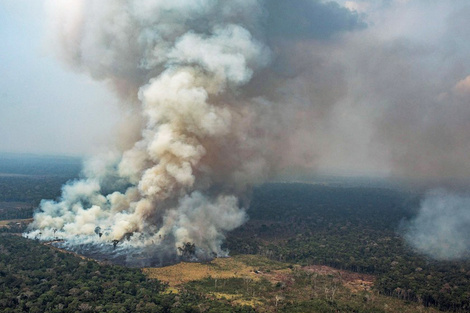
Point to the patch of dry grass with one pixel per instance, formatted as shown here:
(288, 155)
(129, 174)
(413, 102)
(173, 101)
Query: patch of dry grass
(185, 272)
(326, 283)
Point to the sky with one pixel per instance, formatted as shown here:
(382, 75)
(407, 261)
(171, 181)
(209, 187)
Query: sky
(46, 108)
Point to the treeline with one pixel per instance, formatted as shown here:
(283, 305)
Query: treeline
(355, 229)
(37, 278)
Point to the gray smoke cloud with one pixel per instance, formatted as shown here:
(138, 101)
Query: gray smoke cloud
(419, 84)
(203, 84)
(441, 228)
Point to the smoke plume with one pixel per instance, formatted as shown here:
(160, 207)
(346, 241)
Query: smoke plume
(220, 95)
(441, 227)
(203, 82)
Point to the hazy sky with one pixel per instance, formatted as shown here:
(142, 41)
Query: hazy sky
(386, 87)
(45, 107)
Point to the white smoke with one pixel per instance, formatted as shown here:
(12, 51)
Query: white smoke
(170, 58)
(206, 120)
(441, 228)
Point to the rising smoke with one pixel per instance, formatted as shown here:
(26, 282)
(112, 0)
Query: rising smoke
(203, 80)
(222, 94)
(441, 228)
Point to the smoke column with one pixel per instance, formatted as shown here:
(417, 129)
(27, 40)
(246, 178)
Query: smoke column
(220, 95)
(441, 227)
(202, 83)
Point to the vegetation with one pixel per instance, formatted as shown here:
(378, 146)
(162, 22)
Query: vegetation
(25, 181)
(30, 189)
(299, 289)
(271, 286)
(15, 210)
(351, 228)
(188, 251)
(34, 165)
(348, 227)
(38, 278)
(14, 226)
(239, 266)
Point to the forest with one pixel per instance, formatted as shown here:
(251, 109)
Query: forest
(348, 226)
(351, 228)
(37, 278)
(39, 165)
(26, 180)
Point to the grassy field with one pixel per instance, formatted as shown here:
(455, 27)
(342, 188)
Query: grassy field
(242, 266)
(271, 286)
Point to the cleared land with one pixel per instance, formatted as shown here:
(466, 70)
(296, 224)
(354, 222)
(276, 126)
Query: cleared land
(242, 266)
(267, 285)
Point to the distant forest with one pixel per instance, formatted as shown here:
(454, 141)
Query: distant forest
(37, 165)
(27, 179)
